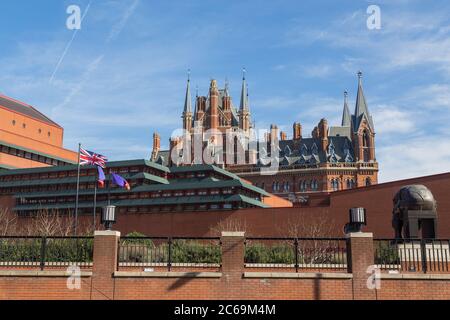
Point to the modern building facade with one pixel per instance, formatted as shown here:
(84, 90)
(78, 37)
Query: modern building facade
(29, 139)
(332, 158)
(154, 188)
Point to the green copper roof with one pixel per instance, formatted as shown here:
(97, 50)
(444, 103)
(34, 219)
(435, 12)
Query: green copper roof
(146, 188)
(3, 143)
(66, 180)
(111, 164)
(148, 202)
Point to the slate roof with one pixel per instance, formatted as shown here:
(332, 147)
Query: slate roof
(25, 109)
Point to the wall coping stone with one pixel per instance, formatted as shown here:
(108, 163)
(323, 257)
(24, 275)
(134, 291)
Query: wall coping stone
(39, 273)
(233, 233)
(132, 274)
(359, 235)
(299, 275)
(106, 233)
(411, 276)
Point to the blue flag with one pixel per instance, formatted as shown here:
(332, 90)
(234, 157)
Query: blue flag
(101, 177)
(120, 181)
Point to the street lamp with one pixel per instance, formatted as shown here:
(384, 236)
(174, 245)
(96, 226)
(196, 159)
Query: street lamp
(357, 218)
(108, 216)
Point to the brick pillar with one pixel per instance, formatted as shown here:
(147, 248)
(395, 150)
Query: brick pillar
(233, 264)
(105, 263)
(360, 255)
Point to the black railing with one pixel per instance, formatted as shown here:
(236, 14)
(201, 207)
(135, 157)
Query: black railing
(46, 251)
(169, 251)
(298, 253)
(413, 255)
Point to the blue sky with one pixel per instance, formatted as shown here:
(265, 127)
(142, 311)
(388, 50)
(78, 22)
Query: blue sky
(124, 74)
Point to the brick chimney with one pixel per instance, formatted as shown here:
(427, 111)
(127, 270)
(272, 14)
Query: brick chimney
(214, 105)
(156, 146)
(297, 131)
(323, 133)
(283, 135)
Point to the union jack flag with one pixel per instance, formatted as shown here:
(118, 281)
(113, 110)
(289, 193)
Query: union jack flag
(92, 158)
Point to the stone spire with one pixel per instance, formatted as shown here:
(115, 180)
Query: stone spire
(187, 100)
(187, 111)
(244, 96)
(361, 110)
(346, 117)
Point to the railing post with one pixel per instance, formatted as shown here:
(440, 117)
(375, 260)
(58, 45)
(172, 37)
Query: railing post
(360, 255)
(296, 254)
(423, 255)
(105, 264)
(169, 263)
(233, 251)
(43, 252)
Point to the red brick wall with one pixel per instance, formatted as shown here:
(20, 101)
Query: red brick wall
(232, 283)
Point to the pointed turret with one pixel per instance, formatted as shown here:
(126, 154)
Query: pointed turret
(346, 117)
(361, 110)
(187, 111)
(244, 96)
(244, 111)
(187, 100)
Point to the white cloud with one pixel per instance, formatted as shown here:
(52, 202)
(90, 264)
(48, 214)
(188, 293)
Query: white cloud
(414, 157)
(391, 119)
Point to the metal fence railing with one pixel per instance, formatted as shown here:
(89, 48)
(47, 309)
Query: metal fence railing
(298, 253)
(46, 251)
(170, 251)
(412, 255)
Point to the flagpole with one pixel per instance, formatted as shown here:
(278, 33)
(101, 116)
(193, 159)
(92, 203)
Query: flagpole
(78, 187)
(95, 204)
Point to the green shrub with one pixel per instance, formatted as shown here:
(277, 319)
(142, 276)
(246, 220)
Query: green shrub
(187, 251)
(386, 254)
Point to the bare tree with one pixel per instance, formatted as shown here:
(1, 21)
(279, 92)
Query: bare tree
(232, 224)
(8, 222)
(316, 231)
(53, 223)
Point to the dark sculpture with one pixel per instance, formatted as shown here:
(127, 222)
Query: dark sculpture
(414, 210)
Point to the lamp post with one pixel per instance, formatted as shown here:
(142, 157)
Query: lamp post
(108, 216)
(357, 219)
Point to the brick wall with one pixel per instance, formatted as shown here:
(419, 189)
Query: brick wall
(232, 281)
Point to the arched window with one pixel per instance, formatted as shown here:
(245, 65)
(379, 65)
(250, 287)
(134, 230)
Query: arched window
(368, 181)
(350, 183)
(366, 139)
(314, 185)
(274, 185)
(335, 184)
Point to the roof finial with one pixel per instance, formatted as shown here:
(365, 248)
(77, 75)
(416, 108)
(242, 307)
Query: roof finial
(243, 73)
(345, 95)
(359, 76)
(196, 90)
(189, 74)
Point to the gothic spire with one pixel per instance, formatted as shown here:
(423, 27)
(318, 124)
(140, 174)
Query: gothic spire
(346, 117)
(361, 109)
(244, 96)
(187, 101)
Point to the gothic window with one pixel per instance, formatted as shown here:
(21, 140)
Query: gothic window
(314, 185)
(350, 183)
(365, 139)
(335, 184)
